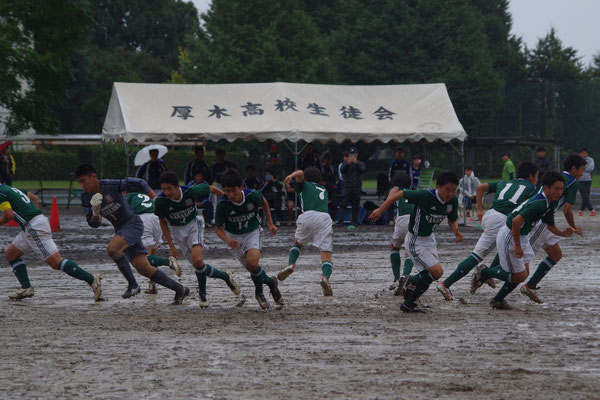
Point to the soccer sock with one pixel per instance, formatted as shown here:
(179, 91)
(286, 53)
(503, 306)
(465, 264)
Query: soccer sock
(327, 268)
(258, 281)
(20, 271)
(423, 278)
(395, 259)
(70, 268)
(408, 266)
(157, 261)
(201, 276)
(497, 273)
(162, 279)
(541, 271)
(125, 269)
(294, 254)
(495, 261)
(216, 273)
(505, 290)
(463, 269)
(267, 280)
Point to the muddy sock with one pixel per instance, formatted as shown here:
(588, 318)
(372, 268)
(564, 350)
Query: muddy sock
(201, 276)
(505, 290)
(495, 261)
(463, 269)
(541, 271)
(496, 273)
(162, 279)
(257, 280)
(216, 273)
(125, 269)
(327, 268)
(267, 280)
(157, 261)
(294, 254)
(395, 260)
(74, 270)
(20, 271)
(423, 278)
(408, 266)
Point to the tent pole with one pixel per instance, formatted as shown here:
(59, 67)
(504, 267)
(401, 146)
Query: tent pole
(126, 158)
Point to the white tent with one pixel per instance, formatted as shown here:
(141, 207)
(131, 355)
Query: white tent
(280, 111)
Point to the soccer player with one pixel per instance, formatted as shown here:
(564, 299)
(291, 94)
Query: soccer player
(35, 235)
(431, 208)
(313, 225)
(143, 206)
(176, 208)
(542, 238)
(512, 242)
(509, 194)
(237, 214)
(105, 198)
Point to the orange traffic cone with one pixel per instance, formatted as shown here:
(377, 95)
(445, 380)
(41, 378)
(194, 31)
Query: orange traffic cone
(54, 219)
(12, 223)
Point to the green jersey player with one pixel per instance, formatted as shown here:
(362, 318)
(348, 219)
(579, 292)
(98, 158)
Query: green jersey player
(35, 235)
(176, 208)
(314, 225)
(431, 208)
(237, 224)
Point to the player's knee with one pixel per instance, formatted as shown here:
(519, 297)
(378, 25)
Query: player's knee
(520, 276)
(198, 264)
(436, 271)
(113, 253)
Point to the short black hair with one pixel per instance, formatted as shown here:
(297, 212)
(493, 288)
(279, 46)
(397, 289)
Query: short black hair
(468, 167)
(525, 169)
(401, 179)
(550, 177)
(84, 169)
(198, 148)
(505, 154)
(415, 156)
(169, 177)
(446, 177)
(540, 148)
(326, 155)
(312, 174)
(231, 178)
(220, 151)
(573, 160)
(398, 149)
(153, 151)
(584, 149)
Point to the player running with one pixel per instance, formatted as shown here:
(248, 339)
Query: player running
(314, 225)
(431, 208)
(105, 198)
(35, 235)
(509, 194)
(237, 214)
(512, 242)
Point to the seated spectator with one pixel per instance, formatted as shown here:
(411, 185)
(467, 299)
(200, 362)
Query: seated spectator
(252, 181)
(203, 202)
(197, 165)
(467, 188)
(272, 190)
(220, 166)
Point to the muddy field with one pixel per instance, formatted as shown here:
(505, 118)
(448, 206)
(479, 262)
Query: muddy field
(357, 344)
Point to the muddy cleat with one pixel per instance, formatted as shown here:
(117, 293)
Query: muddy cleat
(441, 287)
(401, 283)
(500, 305)
(203, 302)
(491, 283)
(327, 291)
(174, 265)
(393, 286)
(530, 293)
(180, 296)
(21, 294)
(275, 293)
(284, 273)
(262, 302)
(476, 281)
(97, 287)
(233, 285)
(130, 292)
(411, 308)
(151, 288)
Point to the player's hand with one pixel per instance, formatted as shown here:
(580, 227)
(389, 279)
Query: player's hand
(96, 203)
(234, 244)
(272, 229)
(518, 252)
(568, 232)
(578, 231)
(376, 214)
(459, 237)
(173, 252)
(480, 214)
(287, 179)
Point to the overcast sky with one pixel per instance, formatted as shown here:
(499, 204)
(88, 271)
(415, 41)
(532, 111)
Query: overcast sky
(576, 22)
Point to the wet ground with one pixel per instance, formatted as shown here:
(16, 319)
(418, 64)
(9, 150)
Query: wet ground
(357, 344)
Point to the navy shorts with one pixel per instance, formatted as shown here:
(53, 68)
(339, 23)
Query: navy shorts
(132, 232)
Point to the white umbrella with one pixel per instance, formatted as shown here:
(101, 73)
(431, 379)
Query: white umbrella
(144, 154)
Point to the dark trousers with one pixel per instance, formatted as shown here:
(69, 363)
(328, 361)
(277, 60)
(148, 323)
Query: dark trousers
(584, 190)
(352, 196)
(274, 200)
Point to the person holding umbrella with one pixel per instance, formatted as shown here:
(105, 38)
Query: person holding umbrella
(151, 168)
(7, 164)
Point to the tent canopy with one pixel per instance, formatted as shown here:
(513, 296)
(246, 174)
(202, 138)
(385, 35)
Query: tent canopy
(281, 111)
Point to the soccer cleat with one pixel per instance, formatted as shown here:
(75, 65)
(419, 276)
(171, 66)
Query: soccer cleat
(441, 287)
(151, 288)
(401, 283)
(275, 293)
(174, 265)
(530, 293)
(130, 292)
(410, 308)
(393, 286)
(180, 296)
(203, 302)
(233, 285)
(491, 283)
(500, 305)
(284, 273)
(476, 281)
(21, 294)
(262, 302)
(327, 291)
(97, 287)
(580, 213)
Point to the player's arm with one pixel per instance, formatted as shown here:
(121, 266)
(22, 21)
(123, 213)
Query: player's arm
(480, 192)
(215, 190)
(135, 185)
(152, 194)
(234, 244)
(267, 210)
(7, 212)
(567, 232)
(33, 198)
(299, 175)
(164, 227)
(454, 228)
(517, 222)
(568, 212)
(394, 195)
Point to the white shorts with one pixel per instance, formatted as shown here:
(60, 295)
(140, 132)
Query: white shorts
(152, 236)
(247, 242)
(400, 230)
(506, 251)
(491, 223)
(37, 236)
(422, 250)
(187, 236)
(315, 227)
(540, 238)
